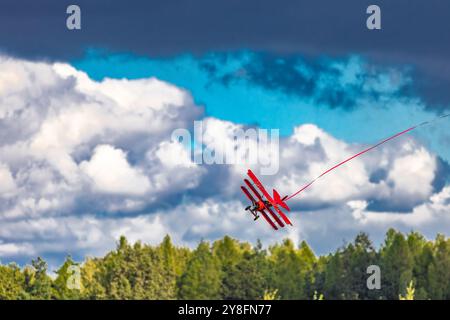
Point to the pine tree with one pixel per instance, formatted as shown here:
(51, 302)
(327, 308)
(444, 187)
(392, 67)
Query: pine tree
(37, 283)
(246, 279)
(359, 256)
(202, 277)
(66, 282)
(411, 267)
(439, 269)
(289, 272)
(397, 265)
(228, 251)
(422, 253)
(308, 262)
(91, 280)
(334, 285)
(170, 268)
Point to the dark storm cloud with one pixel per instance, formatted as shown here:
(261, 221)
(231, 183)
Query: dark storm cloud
(413, 31)
(321, 80)
(171, 27)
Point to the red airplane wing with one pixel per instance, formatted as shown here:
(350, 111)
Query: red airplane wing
(248, 194)
(285, 218)
(264, 214)
(260, 186)
(274, 215)
(261, 199)
(268, 197)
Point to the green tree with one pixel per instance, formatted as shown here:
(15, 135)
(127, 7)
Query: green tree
(11, 283)
(66, 278)
(229, 251)
(288, 275)
(422, 253)
(358, 257)
(439, 269)
(396, 265)
(202, 277)
(91, 275)
(334, 286)
(246, 279)
(234, 270)
(138, 271)
(173, 262)
(37, 283)
(308, 266)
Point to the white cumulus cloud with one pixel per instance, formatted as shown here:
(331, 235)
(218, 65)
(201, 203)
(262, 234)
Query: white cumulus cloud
(83, 162)
(111, 173)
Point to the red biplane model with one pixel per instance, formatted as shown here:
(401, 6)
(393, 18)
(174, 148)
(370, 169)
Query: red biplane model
(264, 202)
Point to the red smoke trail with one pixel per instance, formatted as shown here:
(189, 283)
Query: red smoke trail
(364, 151)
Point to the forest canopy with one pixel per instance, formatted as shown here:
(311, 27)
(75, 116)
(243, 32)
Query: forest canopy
(229, 269)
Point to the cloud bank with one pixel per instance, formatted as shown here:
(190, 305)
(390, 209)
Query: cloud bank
(83, 162)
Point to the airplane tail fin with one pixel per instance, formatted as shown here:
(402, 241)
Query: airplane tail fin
(280, 201)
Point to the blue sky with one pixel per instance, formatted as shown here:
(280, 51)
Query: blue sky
(245, 101)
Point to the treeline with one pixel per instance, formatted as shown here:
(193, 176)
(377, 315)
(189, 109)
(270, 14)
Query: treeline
(229, 269)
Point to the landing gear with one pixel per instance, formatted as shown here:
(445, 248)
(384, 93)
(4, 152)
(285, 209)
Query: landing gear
(253, 211)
